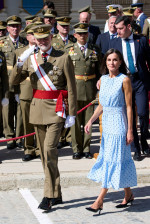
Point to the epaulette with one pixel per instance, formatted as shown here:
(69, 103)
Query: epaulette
(57, 53)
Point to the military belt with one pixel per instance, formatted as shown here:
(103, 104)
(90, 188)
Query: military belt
(85, 78)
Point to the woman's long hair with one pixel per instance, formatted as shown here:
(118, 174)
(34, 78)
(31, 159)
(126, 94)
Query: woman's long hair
(122, 69)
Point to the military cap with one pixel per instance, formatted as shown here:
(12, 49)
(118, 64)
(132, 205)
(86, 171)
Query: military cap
(112, 9)
(42, 31)
(13, 20)
(28, 28)
(38, 20)
(50, 13)
(3, 25)
(63, 20)
(30, 18)
(128, 11)
(85, 9)
(81, 27)
(137, 5)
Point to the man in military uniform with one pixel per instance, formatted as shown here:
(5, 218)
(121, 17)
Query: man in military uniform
(3, 28)
(29, 19)
(112, 11)
(49, 18)
(129, 11)
(86, 59)
(59, 42)
(51, 72)
(4, 86)
(31, 152)
(10, 44)
(85, 17)
(146, 29)
(63, 38)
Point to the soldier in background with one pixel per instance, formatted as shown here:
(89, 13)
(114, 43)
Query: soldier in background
(86, 59)
(10, 44)
(30, 150)
(59, 41)
(85, 17)
(29, 19)
(46, 114)
(146, 29)
(3, 29)
(129, 11)
(4, 86)
(49, 18)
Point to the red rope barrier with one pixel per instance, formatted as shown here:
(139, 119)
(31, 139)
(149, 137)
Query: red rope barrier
(25, 136)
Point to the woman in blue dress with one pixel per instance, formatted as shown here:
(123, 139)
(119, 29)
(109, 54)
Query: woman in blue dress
(114, 166)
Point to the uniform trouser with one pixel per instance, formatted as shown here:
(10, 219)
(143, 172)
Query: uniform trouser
(140, 97)
(29, 142)
(9, 112)
(81, 140)
(65, 135)
(47, 139)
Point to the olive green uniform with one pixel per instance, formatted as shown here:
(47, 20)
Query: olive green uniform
(13, 109)
(4, 86)
(87, 71)
(146, 28)
(25, 96)
(58, 44)
(48, 125)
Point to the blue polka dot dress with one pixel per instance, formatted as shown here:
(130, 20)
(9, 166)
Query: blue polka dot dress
(114, 166)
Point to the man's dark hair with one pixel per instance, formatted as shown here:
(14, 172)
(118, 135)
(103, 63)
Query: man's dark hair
(125, 19)
(49, 4)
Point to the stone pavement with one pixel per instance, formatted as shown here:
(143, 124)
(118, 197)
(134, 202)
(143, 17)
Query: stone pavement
(14, 173)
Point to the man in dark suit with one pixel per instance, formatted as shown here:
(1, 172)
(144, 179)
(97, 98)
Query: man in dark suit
(84, 17)
(137, 59)
(138, 13)
(104, 39)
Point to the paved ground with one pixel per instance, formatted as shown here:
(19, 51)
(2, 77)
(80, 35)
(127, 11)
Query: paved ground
(19, 205)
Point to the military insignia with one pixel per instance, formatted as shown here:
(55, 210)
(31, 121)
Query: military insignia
(14, 18)
(55, 68)
(51, 72)
(55, 77)
(54, 44)
(59, 72)
(1, 23)
(1, 43)
(82, 26)
(74, 63)
(65, 20)
(40, 30)
(71, 51)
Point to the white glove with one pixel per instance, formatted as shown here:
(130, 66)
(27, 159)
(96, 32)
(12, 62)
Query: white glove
(17, 98)
(5, 102)
(21, 60)
(70, 120)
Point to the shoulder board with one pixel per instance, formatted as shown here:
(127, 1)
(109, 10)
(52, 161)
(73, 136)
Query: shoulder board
(57, 53)
(69, 45)
(72, 38)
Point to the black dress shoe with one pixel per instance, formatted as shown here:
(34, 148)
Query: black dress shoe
(77, 155)
(0, 162)
(28, 157)
(137, 156)
(45, 204)
(19, 145)
(145, 147)
(11, 145)
(88, 155)
(56, 201)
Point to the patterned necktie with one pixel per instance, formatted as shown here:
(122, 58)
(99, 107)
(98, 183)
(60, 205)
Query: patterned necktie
(112, 36)
(44, 57)
(15, 44)
(130, 57)
(83, 50)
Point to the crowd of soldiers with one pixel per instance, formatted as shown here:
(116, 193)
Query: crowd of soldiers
(44, 56)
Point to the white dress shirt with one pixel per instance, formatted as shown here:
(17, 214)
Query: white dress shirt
(124, 50)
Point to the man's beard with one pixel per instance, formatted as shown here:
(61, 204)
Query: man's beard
(44, 48)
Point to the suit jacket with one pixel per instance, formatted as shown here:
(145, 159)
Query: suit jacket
(103, 42)
(58, 43)
(59, 69)
(142, 55)
(141, 21)
(25, 88)
(86, 90)
(94, 31)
